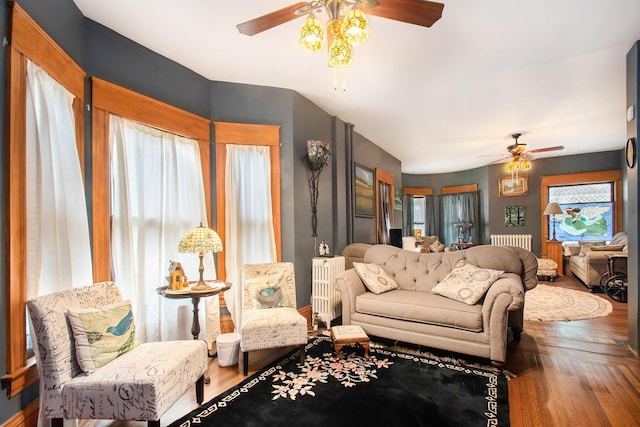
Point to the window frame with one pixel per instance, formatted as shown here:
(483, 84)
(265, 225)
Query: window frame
(108, 98)
(28, 41)
(612, 176)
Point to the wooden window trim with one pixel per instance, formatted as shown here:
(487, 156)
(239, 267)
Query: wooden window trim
(416, 191)
(614, 176)
(108, 98)
(387, 178)
(27, 41)
(460, 189)
(248, 134)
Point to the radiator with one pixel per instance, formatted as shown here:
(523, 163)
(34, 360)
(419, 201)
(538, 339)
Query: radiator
(520, 240)
(326, 300)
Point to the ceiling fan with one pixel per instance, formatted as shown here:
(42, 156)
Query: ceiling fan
(418, 12)
(519, 154)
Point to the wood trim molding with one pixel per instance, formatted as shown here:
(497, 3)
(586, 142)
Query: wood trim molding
(246, 134)
(459, 189)
(27, 41)
(415, 191)
(28, 417)
(614, 176)
(110, 98)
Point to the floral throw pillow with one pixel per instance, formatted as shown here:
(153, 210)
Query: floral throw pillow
(102, 334)
(466, 282)
(375, 279)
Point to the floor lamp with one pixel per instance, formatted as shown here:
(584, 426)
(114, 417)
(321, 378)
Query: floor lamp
(552, 210)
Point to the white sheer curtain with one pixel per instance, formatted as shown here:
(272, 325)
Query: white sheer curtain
(157, 195)
(249, 221)
(58, 247)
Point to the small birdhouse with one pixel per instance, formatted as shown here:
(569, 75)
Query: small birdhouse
(176, 277)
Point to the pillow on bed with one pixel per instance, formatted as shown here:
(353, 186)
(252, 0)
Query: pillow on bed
(375, 279)
(466, 282)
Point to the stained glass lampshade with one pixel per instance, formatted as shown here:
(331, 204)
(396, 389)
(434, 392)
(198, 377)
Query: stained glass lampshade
(200, 240)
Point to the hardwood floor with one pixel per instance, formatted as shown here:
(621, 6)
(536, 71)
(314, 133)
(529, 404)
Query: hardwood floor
(578, 373)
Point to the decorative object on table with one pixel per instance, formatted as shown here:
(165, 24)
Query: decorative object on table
(458, 393)
(552, 210)
(323, 249)
(200, 240)
(514, 216)
(552, 303)
(176, 278)
(363, 191)
(317, 156)
(509, 187)
(463, 227)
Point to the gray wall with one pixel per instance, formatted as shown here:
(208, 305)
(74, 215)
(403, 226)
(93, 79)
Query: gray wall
(492, 206)
(107, 55)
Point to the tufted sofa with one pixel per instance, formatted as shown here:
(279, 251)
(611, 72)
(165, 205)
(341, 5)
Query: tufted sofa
(413, 313)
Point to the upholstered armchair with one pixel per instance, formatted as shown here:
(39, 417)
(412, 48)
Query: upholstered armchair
(91, 366)
(269, 315)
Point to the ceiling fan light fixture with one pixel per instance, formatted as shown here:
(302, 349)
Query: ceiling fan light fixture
(355, 27)
(340, 53)
(311, 34)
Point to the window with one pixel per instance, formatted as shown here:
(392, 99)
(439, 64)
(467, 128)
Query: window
(419, 214)
(588, 212)
(28, 41)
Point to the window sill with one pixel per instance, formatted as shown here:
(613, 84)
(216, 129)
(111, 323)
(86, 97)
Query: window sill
(16, 382)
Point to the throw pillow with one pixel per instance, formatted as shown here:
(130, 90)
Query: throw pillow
(268, 291)
(466, 282)
(586, 246)
(102, 334)
(611, 248)
(374, 277)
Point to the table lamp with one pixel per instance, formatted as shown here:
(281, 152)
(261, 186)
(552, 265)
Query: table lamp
(553, 209)
(200, 240)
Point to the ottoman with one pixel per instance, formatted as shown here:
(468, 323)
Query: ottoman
(547, 268)
(349, 335)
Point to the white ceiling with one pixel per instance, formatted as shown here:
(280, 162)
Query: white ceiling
(440, 98)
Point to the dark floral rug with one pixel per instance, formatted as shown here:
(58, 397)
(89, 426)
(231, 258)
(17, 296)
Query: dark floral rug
(390, 388)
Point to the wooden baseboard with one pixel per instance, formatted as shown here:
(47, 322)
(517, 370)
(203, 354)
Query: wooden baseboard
(28, 417)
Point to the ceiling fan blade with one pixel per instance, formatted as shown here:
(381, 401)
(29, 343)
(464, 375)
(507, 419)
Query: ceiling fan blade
(544, 150)
(270, 20)
(418, 12)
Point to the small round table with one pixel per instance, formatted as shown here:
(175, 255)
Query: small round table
(195, 296)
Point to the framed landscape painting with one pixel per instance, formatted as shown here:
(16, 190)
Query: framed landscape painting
(363, 190)
(513, 186)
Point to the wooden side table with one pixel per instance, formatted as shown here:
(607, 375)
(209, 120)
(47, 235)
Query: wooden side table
(459, 246)
(554, 252)
(349, 334)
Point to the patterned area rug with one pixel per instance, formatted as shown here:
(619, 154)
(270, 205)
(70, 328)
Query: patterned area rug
(390, 388)
(552, 303)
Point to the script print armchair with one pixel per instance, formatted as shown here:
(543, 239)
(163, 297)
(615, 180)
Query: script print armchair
(269, 315)
(139, 384)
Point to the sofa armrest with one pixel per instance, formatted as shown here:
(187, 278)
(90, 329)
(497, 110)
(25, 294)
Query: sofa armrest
(509, 284)
(601, 256)
(350, 286)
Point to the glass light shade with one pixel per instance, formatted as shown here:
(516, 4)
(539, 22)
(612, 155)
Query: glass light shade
(339, 53)
(525, 164)
(355, 27)
(311, 35)
(511, 166)
(200, 240)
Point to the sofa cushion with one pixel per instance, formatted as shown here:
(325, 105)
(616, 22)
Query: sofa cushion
(374, 278)
(466, 282)
(424, 307)
(102, 334)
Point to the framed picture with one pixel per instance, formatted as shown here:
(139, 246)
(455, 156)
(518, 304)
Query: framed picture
(363, 190)
(513, 187)
(514, 216)
(397, 200)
